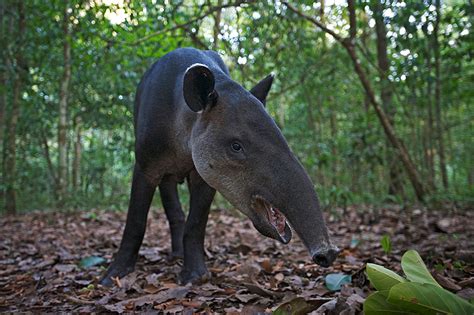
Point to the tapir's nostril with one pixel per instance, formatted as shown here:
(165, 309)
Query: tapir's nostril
(325, 257)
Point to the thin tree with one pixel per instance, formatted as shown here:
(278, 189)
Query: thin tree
(439, 122)
(349, 44)
(395, 186)
(3, 83)
(76, 165)
(12, 119)
(63, 107)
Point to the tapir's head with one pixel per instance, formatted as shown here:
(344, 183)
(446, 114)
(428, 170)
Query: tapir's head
(239, 150)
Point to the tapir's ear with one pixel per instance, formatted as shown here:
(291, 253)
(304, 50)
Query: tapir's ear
(260, 91)
(198, 87)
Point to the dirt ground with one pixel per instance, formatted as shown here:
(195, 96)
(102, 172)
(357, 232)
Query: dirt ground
(41, 254)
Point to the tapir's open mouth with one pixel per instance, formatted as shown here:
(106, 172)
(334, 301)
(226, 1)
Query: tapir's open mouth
(273, 216)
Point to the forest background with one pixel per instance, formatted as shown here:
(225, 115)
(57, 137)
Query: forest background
(374, 97)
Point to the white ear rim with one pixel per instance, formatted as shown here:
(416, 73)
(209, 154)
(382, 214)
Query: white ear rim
(194, 65)
(197, 64)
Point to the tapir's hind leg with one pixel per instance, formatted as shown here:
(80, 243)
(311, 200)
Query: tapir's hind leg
(174, 213)
(140, 200)
(194, 268)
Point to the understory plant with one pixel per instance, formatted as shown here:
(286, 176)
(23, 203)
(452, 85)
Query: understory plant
(416, 293)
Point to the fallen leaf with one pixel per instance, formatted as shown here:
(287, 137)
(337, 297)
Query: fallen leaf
(64, 268)
(279, 277)
(334, 281)
(446, 282)
(266, 265)
(91, 261)
(150, 289)
(467, 293)
(163, 296)
(299, 306)
(253, 288)
(245, 298)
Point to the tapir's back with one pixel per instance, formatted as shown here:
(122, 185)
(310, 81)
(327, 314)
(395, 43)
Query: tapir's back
(159, 103)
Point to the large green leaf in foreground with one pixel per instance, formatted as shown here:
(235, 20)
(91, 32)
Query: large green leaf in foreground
(382, 278)
(428, 299)
(415, 269)
(377, 303)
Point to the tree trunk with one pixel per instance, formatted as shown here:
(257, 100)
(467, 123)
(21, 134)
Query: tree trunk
(76, 167)
(47, 157)
(470, 177)
(309, 114)
(12, 121)
(3, 89)
(429, 127)
(439, 123)
(349, 45)
(334, 153)
(395, 186)
(322, 18)
(10, 150)
(3, 78)
(63, 107)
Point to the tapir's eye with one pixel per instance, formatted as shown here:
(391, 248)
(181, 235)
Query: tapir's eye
(236, 147)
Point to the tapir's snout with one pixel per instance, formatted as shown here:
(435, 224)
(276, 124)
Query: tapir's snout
(326, 256)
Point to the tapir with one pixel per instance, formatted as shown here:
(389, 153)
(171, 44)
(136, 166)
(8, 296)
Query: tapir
(193, 122)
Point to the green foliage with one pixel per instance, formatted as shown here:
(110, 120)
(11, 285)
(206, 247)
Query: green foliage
(415, 269)
(377, 303)
(382, 278)
(425, 298)
(386, 244)
(317, 99)
(418, 294)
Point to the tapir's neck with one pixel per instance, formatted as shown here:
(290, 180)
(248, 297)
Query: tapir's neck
(188, 122)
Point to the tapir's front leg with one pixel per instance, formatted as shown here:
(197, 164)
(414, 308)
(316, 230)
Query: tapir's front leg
(140, 200)
(194, 268)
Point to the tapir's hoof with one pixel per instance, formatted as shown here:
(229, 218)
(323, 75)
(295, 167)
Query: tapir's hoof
(194, 277)
(106, 281)
(174, 257)
(114, 272)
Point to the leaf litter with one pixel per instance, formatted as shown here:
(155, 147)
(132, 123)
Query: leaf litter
(51, 262)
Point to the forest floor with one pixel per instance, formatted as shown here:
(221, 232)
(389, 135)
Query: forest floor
(40, 255)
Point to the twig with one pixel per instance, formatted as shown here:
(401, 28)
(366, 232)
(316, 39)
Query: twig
(77, 301)
(316, 22)
(184, 25)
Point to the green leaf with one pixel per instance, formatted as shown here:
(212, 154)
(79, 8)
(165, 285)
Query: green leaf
(334, 281)
(91, 261)
(386, 244)
(415, 269)
(427, 298)
(382, 278)
(377, 303)
(299, 306)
